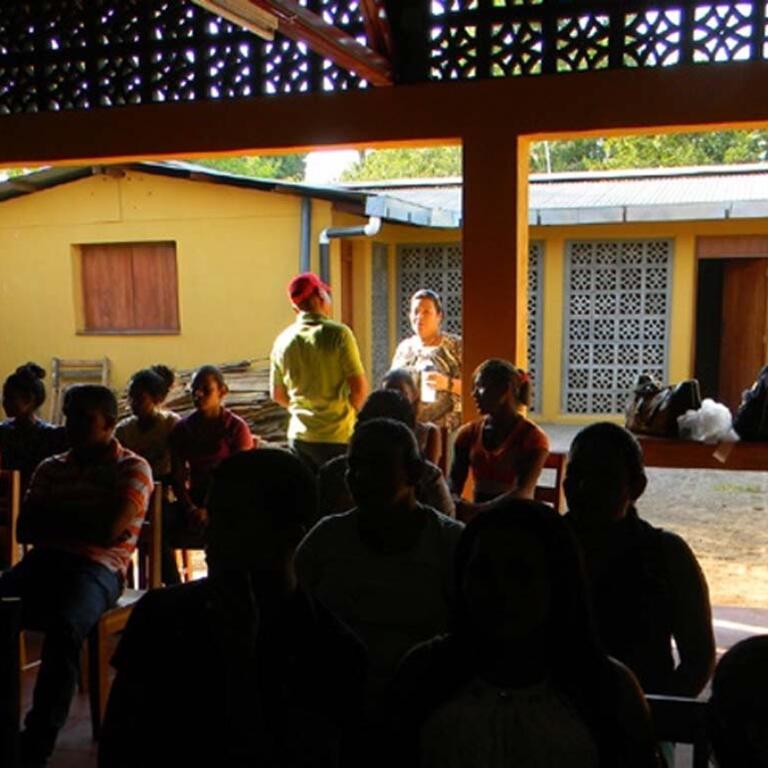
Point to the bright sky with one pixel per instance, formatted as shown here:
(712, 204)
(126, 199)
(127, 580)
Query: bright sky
(325, 167)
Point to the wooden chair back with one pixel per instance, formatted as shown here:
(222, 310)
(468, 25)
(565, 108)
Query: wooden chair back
(65, 373)
(10, 506)
(149, 551)
(553, 494)
(682, 721)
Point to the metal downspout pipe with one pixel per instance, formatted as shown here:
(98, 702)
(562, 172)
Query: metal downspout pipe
(305, 235)
(370, 229)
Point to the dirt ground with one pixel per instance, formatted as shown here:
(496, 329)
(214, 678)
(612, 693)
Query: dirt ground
(724, 518)
(722, 515)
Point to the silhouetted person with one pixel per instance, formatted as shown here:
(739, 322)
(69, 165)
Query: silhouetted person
(427, 434)
(431, 490)
(521, 679)
(647, 586)
(738, 717)
(25, 438)
(241, 668)
(385, 566)
(83, 514)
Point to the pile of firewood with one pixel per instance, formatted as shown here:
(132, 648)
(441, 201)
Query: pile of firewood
(248, 382)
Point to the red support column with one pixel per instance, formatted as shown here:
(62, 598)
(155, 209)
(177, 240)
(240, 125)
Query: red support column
(495, 251)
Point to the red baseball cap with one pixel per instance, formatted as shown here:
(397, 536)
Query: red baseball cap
(304, 285)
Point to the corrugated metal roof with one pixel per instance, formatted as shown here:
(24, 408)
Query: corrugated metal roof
(370, 204)
(656, 194)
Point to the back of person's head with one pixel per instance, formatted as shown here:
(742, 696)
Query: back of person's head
(502, 375)
(156, 381)
(738, 708)
(401, 380)
(387, 404)
(548, 570)
(521, 591)
(384, 463)
(26, 383)
(261, 503)
(335, 496)
(306, 289)
(605, 473)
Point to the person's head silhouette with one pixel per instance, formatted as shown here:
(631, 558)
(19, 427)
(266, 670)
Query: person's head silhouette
(520, 583)
(738, 708)
(261, 503)
(384, 466)
(605, 474)
(91, 415)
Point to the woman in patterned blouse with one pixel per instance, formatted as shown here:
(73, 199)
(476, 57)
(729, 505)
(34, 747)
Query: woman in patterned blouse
(434, 358)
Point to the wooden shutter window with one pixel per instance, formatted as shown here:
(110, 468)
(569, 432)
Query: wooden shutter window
(130, 288)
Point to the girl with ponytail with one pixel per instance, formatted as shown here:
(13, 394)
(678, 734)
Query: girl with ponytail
(503, 450)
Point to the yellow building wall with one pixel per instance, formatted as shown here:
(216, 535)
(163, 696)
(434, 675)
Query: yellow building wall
(236, 250)
(683, 305)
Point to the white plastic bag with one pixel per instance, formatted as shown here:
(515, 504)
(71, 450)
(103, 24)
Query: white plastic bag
(712, 423)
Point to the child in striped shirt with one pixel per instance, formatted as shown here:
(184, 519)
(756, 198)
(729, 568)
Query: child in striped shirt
(83, 513)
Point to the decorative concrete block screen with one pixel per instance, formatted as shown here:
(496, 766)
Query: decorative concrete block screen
(438, 266)
(616, 320)
(380, 312)
(96, 54)
(509, 38)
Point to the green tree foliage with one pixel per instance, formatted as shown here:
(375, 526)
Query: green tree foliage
(559, 156)
(287, 167)
(406, 164)
(677, 149)
(663, 151)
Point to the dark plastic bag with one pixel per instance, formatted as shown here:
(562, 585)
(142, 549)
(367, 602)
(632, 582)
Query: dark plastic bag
(653, 409)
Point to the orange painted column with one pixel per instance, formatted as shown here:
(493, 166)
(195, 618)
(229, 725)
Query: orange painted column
(495, 251)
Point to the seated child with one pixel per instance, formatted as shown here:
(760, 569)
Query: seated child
(199, 443)
(431, 490)
(427, 433)
(147, 432)
(83, 513)
(25, 439)
(504, 451)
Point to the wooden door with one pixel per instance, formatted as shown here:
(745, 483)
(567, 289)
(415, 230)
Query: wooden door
(347, 284)
(744, 326)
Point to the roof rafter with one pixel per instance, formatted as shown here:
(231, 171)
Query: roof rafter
(377, 27)
(303, 25)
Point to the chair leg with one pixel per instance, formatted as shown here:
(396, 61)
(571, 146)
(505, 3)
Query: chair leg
(98, 672)
(187, 558)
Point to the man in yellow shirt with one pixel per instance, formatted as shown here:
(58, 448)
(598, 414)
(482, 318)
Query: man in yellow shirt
(316, 373)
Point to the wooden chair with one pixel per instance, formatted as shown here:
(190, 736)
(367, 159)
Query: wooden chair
(10, 506)
(682, 721)
(553, 494)
(65, 373)
(115, 619)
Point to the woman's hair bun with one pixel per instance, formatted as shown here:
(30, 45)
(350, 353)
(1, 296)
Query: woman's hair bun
(31, 369)
(165, 373)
